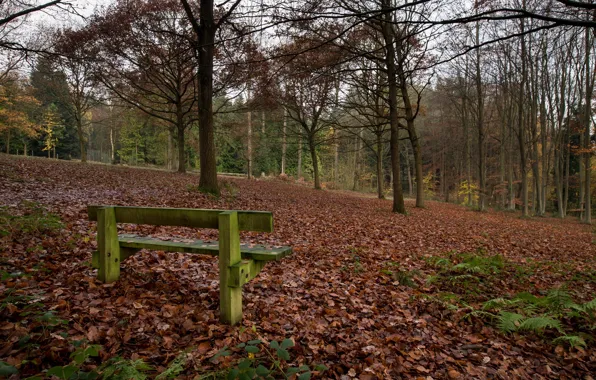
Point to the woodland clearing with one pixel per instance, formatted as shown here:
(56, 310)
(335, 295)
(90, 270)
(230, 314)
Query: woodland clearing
(367, 293)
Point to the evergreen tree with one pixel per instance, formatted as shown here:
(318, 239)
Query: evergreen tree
(50, 88)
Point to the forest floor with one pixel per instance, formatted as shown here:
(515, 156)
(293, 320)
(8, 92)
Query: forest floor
(367, 293)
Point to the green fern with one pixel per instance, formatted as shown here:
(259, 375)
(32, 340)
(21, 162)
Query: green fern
(559, 299)
(589, 306)
(528, 298)
(174, 369)
(481, 265)
(537, 324)
(404, 278)
(441, 262)
(498, 303)
(508, 322)
(462, 278)
(571, 340)
(468, 267)
(120, 369)
(480, 314)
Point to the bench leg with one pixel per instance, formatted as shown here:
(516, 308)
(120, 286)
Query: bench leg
(109, 248)
(125, 253)
(230, 298)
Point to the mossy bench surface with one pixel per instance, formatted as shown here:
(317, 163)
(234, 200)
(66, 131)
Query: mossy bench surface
(248, 251)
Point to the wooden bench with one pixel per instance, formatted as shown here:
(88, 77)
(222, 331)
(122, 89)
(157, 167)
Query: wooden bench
(238, 264)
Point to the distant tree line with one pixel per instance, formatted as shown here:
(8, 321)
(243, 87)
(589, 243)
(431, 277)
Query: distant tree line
(489, 104)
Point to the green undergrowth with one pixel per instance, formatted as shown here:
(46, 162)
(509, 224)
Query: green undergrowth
(264, 361)
(557, 313)
(353, 263)
(260, 361)
(401, 276)
(30, 218)
(477, 283)
(78, 359)
(474, 275)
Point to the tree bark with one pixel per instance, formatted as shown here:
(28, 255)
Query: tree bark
(336, 157)
(181, 155)
(357, 161)
(181, 127)
(521, 129)
(587, 138)
(315, 163)
(284, 143)
(82, 142)
(466, 130)
(398, 197)
(409, 172)
(480, 126)
(249, 144)
(380, 192)
(112, 144)
(205, 31)
(299, 170)
(412, 134)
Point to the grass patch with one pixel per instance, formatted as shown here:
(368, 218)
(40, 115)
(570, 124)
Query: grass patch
(401, 276)
(471, 275)
(32, 219)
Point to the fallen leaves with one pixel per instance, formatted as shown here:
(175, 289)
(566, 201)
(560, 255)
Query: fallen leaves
(330, 297)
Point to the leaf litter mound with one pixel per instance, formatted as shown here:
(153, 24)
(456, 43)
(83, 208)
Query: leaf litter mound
(337, 297)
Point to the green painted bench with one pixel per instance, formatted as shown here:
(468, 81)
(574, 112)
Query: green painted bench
(238, 264)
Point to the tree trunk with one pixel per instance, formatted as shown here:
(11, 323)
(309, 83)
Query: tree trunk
(417, 150)
(181, 144)
(480, 127)
(521, 134)
(467, 150)
(587, 138)
(357, 161)
(502, 156)
(413, 136)
(284, 143)
(8, 141)
(380, 192)
(181, 155)
(249, 144)
(566, 176)
(544, 131)
(208, 178)
(315, 163)
(409, 171)
(398, 198)
(82, 142)
(112, 145)
(336, 158)
(171, 149)
(299, 171)
(582, 175)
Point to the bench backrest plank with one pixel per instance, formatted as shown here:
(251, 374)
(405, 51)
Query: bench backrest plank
(258, 221)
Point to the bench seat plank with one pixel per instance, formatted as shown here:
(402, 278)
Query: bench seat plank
(255, 252)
